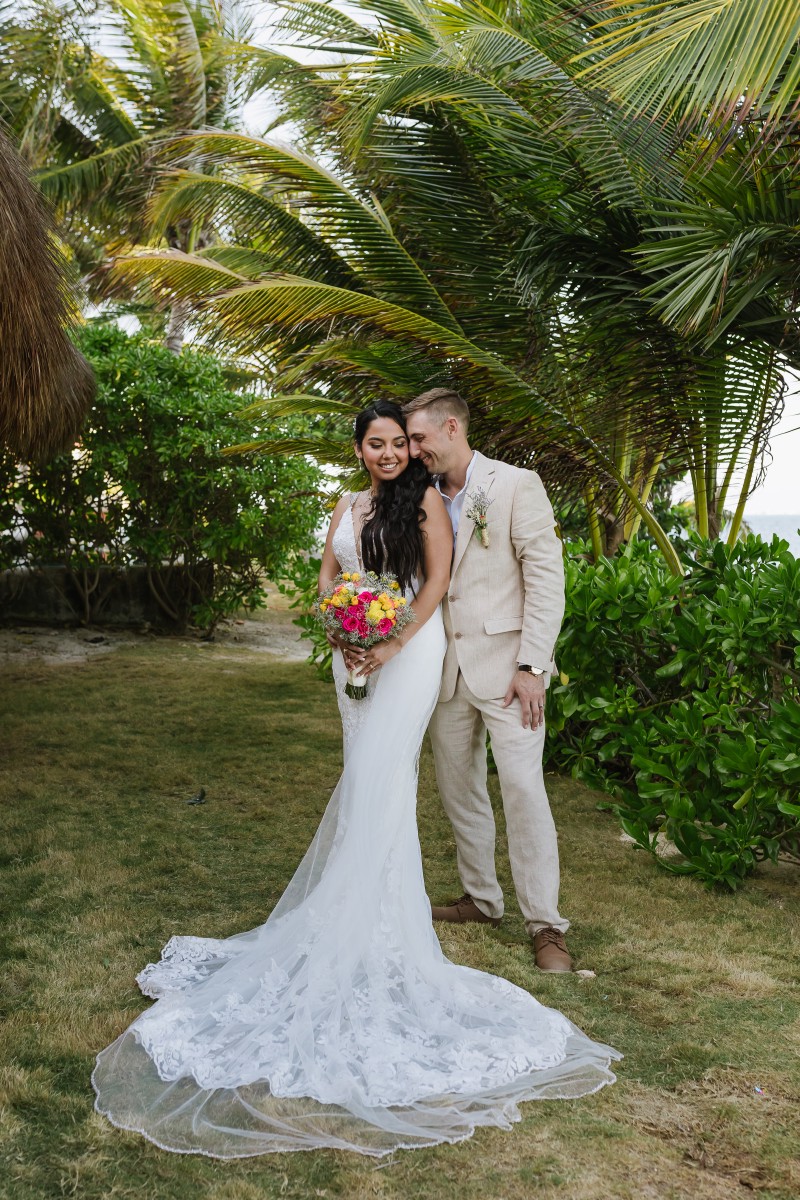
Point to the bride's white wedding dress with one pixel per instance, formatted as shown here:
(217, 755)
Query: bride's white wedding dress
(339, 1022)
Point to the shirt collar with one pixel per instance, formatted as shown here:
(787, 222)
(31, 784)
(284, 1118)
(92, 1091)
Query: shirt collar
(466, 481)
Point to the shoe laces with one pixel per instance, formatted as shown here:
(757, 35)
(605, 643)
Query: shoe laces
(551, 937)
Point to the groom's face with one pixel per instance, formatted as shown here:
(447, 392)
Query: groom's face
(429, 441)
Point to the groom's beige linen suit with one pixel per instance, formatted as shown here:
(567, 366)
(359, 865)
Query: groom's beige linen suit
(504, 606)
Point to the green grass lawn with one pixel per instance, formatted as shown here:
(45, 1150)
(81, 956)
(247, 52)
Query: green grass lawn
(103, 860)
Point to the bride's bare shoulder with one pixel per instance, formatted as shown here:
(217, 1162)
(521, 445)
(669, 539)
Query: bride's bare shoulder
(432, 500)
(342, 505)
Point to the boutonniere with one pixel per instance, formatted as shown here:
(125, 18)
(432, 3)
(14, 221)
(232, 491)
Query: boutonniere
(478, 504)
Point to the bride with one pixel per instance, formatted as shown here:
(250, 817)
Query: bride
(339, 1022)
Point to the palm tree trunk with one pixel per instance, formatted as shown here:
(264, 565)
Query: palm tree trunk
(595, 532)
(176, 326)
(699, 482)
(646, 490)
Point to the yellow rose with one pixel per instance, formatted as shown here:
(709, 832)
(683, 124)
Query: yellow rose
(346, 575)
(395, 585)
(336, 601)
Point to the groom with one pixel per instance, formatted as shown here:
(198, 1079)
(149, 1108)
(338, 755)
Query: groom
(502, 614)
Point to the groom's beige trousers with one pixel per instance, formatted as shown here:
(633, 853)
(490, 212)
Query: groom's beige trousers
(458, 735)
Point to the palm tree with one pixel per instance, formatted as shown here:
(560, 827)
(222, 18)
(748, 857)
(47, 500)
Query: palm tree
(97, 125)
(725, 257)
(459, 204)
(46, 386)
(477, 215)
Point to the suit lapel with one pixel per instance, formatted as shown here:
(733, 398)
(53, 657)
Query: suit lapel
(482, 477)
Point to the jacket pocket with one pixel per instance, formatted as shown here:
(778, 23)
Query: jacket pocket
(503, 625)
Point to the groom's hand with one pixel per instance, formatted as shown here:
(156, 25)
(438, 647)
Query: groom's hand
(529, 690)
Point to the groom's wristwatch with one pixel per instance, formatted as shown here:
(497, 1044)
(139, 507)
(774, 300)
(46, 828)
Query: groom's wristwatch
(530, 670)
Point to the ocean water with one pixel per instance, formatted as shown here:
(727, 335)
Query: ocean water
(786, 526)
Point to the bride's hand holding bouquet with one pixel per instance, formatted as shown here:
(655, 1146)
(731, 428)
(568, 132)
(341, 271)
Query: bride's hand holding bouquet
(367, 612)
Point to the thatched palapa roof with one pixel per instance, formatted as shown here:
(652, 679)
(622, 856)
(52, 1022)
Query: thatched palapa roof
(46, 386)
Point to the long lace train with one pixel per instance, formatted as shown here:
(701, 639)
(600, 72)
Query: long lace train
(339, 1022)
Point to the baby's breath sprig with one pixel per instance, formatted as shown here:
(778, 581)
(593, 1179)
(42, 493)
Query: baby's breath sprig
(478, 505)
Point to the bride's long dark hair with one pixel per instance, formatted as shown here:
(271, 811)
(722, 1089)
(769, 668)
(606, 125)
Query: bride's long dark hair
(391, 537)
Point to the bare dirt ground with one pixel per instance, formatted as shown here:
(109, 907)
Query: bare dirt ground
(270, 632)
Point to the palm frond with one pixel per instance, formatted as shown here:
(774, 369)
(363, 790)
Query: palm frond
(94, 175)
(357, 228)
(325, 450)
(326, 28)
(300, 404)
(714, 63)
(240, 211)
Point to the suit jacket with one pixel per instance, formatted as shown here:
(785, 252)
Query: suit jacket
(505, 602)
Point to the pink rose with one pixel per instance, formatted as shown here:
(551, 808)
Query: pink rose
(355, 610)
(385, 627)
(363, 629)
(339, 613)
(365, 597)
(350, 624)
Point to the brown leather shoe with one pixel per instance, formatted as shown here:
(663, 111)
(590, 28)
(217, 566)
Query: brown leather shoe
(550, 950)
(463, 910)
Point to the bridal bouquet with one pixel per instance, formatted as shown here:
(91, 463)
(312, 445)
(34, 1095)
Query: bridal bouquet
(363, 608)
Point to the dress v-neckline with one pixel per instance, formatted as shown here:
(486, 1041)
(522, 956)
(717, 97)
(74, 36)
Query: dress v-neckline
(356, 535)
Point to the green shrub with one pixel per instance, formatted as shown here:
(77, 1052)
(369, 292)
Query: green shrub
(150, 485)
(680, 698)
(300, 583)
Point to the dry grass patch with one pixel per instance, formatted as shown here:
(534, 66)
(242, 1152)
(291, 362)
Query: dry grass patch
(103, 861)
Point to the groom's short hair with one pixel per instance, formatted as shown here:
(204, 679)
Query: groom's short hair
(440, 403)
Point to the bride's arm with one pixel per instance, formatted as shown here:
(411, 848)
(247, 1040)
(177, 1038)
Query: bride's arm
(330, 568)
(438, 549)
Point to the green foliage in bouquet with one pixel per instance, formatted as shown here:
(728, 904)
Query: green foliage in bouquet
(150, 486)
(680, 698)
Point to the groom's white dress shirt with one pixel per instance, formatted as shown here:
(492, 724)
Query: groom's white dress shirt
(455, 505)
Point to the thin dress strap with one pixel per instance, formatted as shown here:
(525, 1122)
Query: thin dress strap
(353, 496)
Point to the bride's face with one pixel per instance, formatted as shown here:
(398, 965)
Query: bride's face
(384, 450)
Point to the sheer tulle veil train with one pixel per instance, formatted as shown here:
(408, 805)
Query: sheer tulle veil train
(339, 1022)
